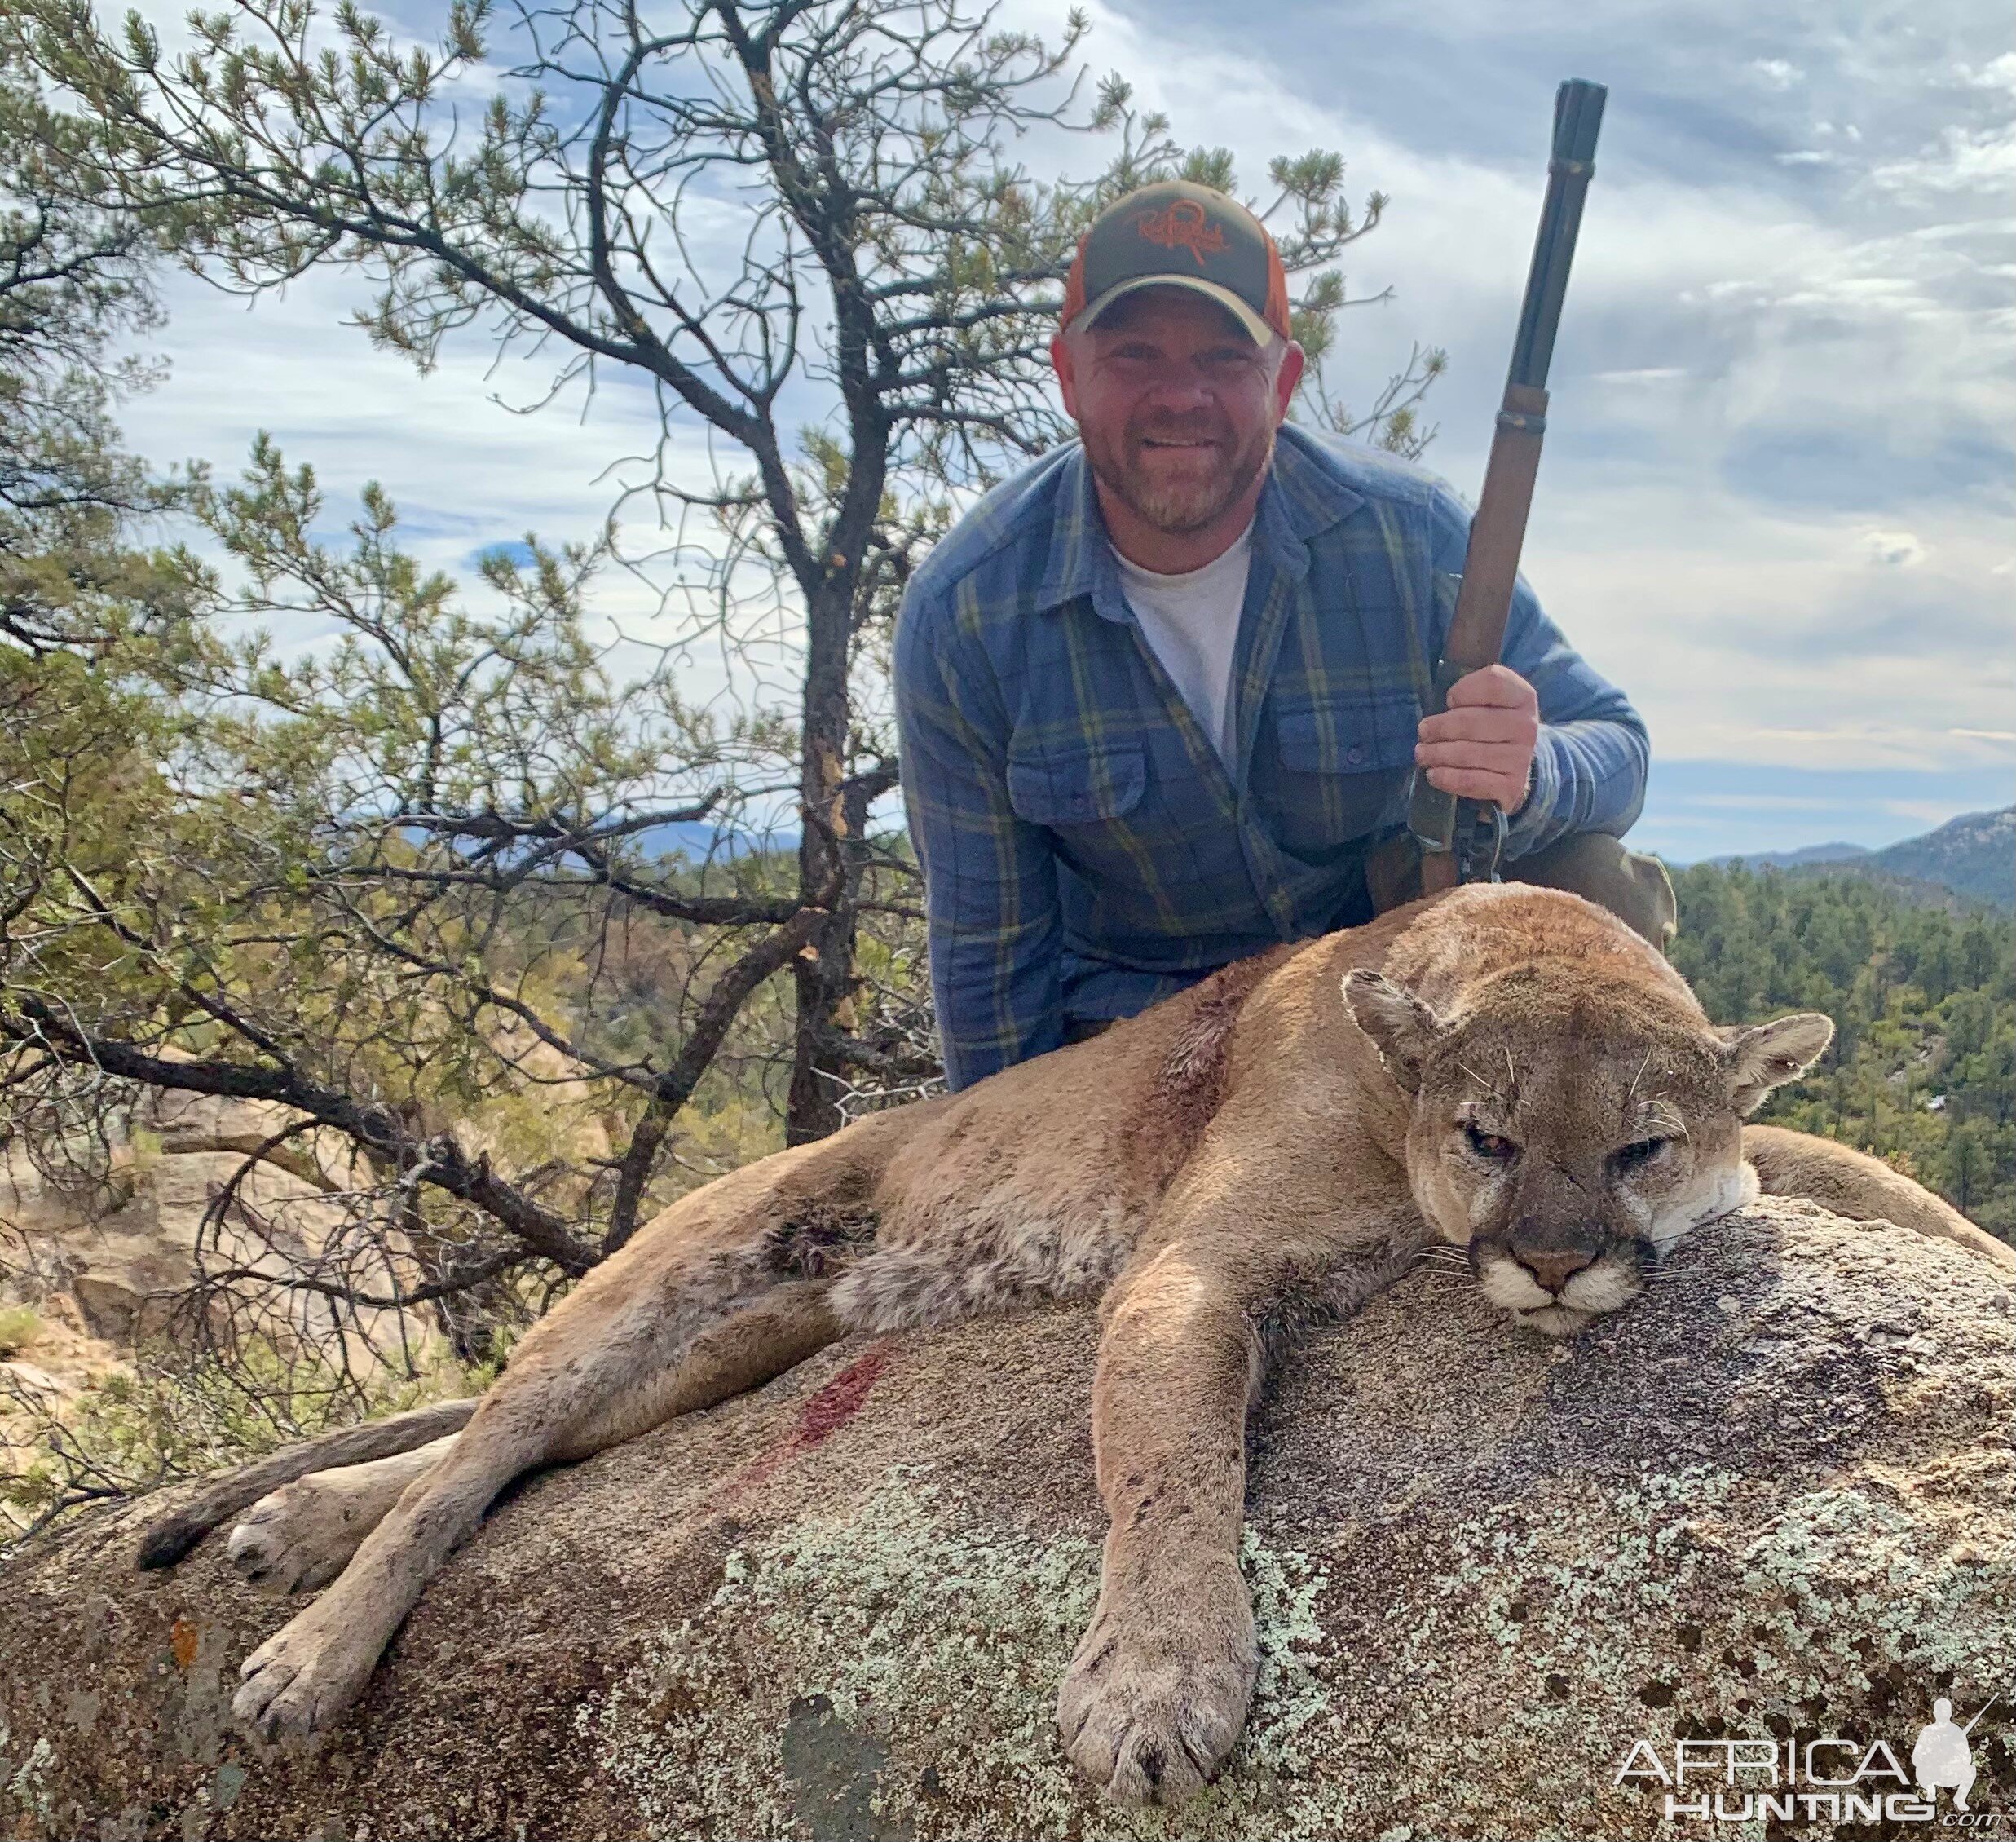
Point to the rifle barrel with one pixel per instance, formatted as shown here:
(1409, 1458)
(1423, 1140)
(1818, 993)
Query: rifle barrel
(1498, 533)
(1578, 116)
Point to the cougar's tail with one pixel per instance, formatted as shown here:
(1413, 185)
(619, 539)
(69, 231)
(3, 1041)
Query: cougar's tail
(1860, 1187)
(166, 1541)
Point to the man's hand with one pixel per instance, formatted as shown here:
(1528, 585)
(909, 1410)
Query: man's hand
(1481, 747)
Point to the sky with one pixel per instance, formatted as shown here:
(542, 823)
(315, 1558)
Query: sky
(1776, 503)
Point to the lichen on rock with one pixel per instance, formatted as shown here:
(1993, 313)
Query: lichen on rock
(1772, 1500)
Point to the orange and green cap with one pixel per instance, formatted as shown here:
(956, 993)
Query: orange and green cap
(1177, 234)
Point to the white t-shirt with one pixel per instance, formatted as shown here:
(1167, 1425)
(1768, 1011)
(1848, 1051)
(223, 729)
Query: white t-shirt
(1192, 622)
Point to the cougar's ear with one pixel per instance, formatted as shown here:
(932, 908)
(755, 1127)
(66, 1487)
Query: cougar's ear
(1759, 1057)
(1400, 1026)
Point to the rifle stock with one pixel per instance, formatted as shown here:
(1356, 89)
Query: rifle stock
(1446, 828)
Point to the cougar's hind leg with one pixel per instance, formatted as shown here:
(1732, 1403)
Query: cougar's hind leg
(301, 1537)
(678, 1320)
(169, 1537)
(1862, 1188)
(752, 1345)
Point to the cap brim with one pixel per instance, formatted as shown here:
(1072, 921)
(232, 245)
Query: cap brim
(1263, 334)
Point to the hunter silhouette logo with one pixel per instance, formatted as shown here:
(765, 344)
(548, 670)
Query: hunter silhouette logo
(1942, 1759)
(1184, 226)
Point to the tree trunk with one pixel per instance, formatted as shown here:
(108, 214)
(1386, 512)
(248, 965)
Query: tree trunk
(828, 853)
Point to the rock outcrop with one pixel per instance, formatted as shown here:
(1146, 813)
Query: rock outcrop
(108, 1272)
(1771, 1502)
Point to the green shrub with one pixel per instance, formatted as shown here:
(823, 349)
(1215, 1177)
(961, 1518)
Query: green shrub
(18, 1326)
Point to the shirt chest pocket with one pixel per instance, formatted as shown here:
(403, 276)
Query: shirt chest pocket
(1340, 766)
(1074, 788)
(1361, 737)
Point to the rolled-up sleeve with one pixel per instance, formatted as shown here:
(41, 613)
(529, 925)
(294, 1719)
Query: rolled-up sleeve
(994, 923)
(1589, 766)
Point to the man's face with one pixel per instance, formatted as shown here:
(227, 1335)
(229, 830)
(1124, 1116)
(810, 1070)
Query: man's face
(1175, 404)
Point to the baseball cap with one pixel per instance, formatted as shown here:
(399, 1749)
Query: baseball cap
(1179, 234)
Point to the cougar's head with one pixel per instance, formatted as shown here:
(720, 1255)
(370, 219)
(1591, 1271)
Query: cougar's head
(1568, 1125)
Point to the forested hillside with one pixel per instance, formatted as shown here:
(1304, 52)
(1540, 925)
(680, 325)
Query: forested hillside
(1923, 1069)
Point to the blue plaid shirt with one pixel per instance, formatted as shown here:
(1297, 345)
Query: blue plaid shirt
(1085, 849)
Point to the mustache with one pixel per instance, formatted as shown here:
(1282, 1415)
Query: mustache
(1202, 426)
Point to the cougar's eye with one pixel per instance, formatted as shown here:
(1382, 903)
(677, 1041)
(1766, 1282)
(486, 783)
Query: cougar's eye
(1489, 1145)
(1633, 1157)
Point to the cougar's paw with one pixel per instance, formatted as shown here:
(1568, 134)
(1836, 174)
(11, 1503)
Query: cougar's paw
(1158, 1690)
(300, 1538)
(301, 1680)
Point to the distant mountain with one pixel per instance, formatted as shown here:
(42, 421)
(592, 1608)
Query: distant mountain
(1973, 854)
(1791, 859)
(698, 841)
(1972, 858)
(1920, 895)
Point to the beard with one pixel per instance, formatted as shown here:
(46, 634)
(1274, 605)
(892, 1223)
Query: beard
(1181, 488)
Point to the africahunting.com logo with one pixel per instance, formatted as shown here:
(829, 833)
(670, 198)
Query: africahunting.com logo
(1832, 1780)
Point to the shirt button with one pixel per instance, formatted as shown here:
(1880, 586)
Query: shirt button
(1354, 754)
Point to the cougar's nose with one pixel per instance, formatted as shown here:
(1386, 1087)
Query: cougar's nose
(1553, 1267)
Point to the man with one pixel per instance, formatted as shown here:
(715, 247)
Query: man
(1159, 694)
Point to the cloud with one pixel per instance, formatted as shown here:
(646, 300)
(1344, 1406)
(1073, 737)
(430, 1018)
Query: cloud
(1780, 369)
(1769, 802)
(1709, 808)
(1959, 161)
(1894, 550)
(1998, 74)
(1768, 361)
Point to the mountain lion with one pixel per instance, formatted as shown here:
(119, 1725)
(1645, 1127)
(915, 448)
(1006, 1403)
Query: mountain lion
(1504, 1070)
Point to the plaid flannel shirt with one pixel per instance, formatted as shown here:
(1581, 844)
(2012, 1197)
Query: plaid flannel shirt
(1085, 850)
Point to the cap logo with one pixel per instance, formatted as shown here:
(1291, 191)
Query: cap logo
(1184, 226)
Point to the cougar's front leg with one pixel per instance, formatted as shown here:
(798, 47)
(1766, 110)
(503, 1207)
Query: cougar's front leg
(1158, 1691)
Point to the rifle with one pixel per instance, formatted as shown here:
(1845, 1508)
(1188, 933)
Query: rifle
(1460, 839)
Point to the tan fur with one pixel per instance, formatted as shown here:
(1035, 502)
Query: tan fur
(301, 1536)
(1863, 1189)
(1261, 1152)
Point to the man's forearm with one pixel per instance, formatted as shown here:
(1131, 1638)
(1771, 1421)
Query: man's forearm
(1588, 776)
(990, 891)
(998, 1003)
